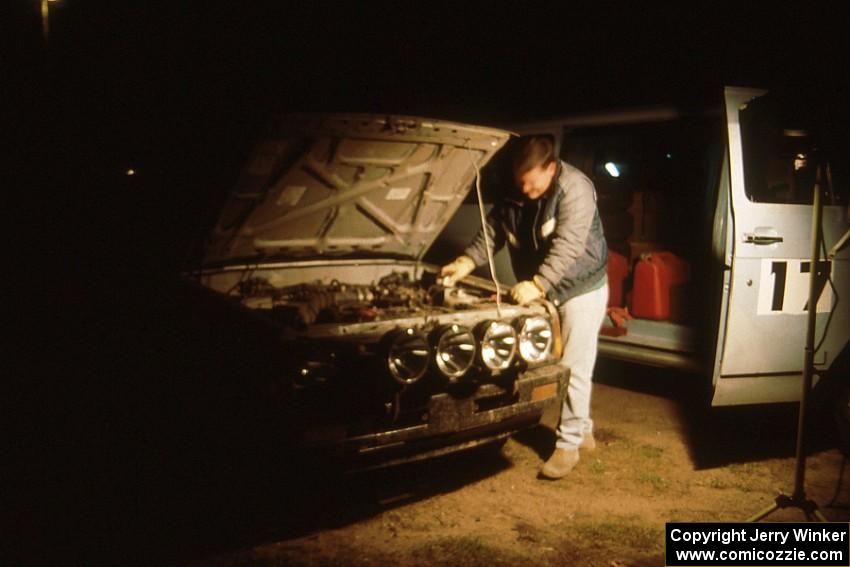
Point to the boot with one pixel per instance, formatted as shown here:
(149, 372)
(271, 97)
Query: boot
(560, 463)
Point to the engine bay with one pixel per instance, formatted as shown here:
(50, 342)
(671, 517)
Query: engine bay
(394, 296)
(348, 322)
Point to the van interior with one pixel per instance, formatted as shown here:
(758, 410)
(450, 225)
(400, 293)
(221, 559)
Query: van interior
(655, 185)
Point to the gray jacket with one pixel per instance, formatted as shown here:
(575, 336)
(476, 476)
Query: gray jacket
(557, 238)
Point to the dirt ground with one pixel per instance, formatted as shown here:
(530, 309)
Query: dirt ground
(661, 458)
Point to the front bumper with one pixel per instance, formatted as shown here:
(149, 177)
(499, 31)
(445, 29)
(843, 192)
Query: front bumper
(454, 424)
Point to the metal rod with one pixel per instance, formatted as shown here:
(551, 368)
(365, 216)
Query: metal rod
(808, 353)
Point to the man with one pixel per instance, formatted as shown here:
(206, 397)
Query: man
(558, 250)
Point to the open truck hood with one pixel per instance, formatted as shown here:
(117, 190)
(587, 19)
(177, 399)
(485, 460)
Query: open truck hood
(350, 185)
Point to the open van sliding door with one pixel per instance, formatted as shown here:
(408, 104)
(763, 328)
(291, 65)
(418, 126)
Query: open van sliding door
(760, 350)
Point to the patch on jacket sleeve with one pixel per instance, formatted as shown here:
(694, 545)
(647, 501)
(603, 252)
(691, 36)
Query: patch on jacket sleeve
(547, 228)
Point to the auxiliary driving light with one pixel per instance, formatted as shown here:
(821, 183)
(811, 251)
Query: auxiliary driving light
(454, 350)
(535, 338)
(407, 355)
(498, 344)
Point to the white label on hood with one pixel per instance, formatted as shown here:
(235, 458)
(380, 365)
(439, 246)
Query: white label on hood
(290, 195)
(398, 194)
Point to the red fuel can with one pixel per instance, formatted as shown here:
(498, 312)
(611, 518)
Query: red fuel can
(655, 274)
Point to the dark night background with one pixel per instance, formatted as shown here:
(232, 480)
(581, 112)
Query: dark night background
(178, 92)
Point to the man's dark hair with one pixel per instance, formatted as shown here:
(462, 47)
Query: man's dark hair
(532, 152)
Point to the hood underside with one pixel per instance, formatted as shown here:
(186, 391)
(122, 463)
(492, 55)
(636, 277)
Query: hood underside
(350, 185)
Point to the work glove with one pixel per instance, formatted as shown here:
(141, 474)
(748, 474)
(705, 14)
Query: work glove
(527, 291)
(456, 271)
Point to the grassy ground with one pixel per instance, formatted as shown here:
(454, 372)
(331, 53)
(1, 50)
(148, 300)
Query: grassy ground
(659, 459)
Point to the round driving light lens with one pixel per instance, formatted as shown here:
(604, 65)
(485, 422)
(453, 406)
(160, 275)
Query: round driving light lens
(407, 355)
(454, 350)
(498, 345)
(535, 339)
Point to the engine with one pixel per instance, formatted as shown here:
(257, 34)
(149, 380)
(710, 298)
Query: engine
(394, 296)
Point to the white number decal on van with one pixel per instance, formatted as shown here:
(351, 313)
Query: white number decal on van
(784, 287)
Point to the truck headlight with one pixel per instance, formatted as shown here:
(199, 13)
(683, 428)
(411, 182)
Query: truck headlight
(454, 350)
(535, 338)
(407, 355)
(498, 344)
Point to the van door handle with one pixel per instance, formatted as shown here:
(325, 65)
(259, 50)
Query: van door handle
(761, 239)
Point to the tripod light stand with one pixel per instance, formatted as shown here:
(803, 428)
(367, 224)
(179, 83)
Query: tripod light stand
(798, 499)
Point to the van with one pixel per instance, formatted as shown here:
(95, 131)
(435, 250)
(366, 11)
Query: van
(707, 210)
